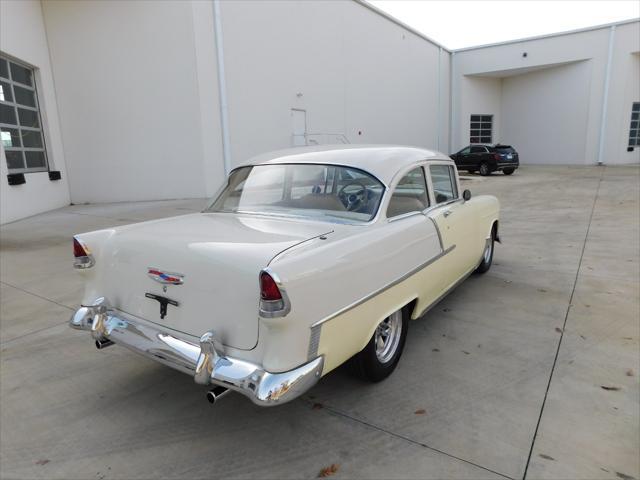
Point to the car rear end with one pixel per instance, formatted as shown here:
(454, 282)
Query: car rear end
(506, 157)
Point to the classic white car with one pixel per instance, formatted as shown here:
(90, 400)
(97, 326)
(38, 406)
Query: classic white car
(308, 258)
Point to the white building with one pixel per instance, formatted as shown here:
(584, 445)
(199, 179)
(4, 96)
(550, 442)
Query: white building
(147, 100)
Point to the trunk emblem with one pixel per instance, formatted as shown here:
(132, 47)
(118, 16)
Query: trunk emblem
(165, 278)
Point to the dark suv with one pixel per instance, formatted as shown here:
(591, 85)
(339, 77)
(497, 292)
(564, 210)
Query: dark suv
(486, 158)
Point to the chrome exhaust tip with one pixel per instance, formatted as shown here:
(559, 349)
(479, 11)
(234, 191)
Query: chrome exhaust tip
(100, 344)
(216, 394)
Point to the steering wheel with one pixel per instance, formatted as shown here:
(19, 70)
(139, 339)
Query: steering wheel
(353, 195)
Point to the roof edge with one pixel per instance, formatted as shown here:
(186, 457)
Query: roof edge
(401, 24)
(547, 35)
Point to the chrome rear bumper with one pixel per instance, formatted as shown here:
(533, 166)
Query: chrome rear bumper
(206, 362)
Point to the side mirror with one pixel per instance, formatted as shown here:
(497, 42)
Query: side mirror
(466, 195)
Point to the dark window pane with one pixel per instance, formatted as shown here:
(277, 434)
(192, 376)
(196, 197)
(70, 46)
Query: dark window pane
(475, 125)
(635, 116)
(35, 159)
(485, 140)
(10, 137)
(8, 115)
(636, 107)
(474, 140)
(3, 68)
(634, 124)
(475, 133)
(633, 134)
(31, 139)
(5, 92)
(475, 118)
(486, 118)
(28, 118)
(24, 96)
(21, 74)
(14, 159)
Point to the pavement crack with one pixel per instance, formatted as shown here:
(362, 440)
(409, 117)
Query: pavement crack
(564, 324)
(336, 412)
(36, 295)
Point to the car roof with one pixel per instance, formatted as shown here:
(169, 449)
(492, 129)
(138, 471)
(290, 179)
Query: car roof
(382, 161)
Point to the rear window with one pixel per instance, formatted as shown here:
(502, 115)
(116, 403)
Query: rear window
(505, 149)
(329, 192)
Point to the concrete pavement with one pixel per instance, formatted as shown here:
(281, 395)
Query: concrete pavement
(509, 369)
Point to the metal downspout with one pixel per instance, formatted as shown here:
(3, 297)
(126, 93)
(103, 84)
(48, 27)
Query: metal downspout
(222, 88)
(605, 95)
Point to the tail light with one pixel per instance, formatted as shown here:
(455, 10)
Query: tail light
(273, 297)
(82, 255)
(496, 156)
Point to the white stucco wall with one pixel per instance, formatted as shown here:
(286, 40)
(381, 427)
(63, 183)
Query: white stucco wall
(559, 87)
(22, 36)
(137, 101)
(624, 89)
(353, 71)
(545, 112)
(478, 96)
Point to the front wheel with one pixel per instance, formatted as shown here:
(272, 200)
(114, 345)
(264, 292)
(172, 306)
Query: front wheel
(484, 169)
(508, 171)
(487, 255)
(381, 355)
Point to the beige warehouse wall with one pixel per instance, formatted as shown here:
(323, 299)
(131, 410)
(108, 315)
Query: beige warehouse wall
(138, 103)
(22, 36)
(545, 112)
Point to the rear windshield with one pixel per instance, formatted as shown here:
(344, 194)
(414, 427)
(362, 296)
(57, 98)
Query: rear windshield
(504, 149)
(328, 192)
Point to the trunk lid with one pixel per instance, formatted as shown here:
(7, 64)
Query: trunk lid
(219, 257)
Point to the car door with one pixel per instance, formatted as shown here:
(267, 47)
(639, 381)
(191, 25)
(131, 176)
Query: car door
(454, 220)
(477, 156)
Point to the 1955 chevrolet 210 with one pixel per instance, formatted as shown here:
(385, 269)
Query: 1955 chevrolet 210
(308, 258)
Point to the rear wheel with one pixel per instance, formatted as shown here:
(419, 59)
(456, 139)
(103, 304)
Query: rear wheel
(381, 355)
(508, 171)
(487, 255)
(484, 169)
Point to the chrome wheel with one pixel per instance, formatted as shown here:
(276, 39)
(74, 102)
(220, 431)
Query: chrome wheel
(387, 336)
(488, 251)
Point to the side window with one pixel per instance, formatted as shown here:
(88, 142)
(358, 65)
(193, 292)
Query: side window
(478, 150)
(410, 195)
(465, 151)
(444, 183)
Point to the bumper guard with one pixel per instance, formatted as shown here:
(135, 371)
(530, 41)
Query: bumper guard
(206, 362)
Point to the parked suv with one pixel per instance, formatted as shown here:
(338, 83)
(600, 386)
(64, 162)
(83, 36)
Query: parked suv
(486, 158)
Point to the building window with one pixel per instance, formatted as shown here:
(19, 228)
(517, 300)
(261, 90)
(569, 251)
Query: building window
(481, 128)
(20, 123)
(634, 128)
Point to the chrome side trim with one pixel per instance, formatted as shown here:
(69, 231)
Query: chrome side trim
(386, 287)
(207, 362)
(435, 224)
(314, 341)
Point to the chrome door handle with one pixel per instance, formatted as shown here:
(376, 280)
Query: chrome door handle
(447, 213)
